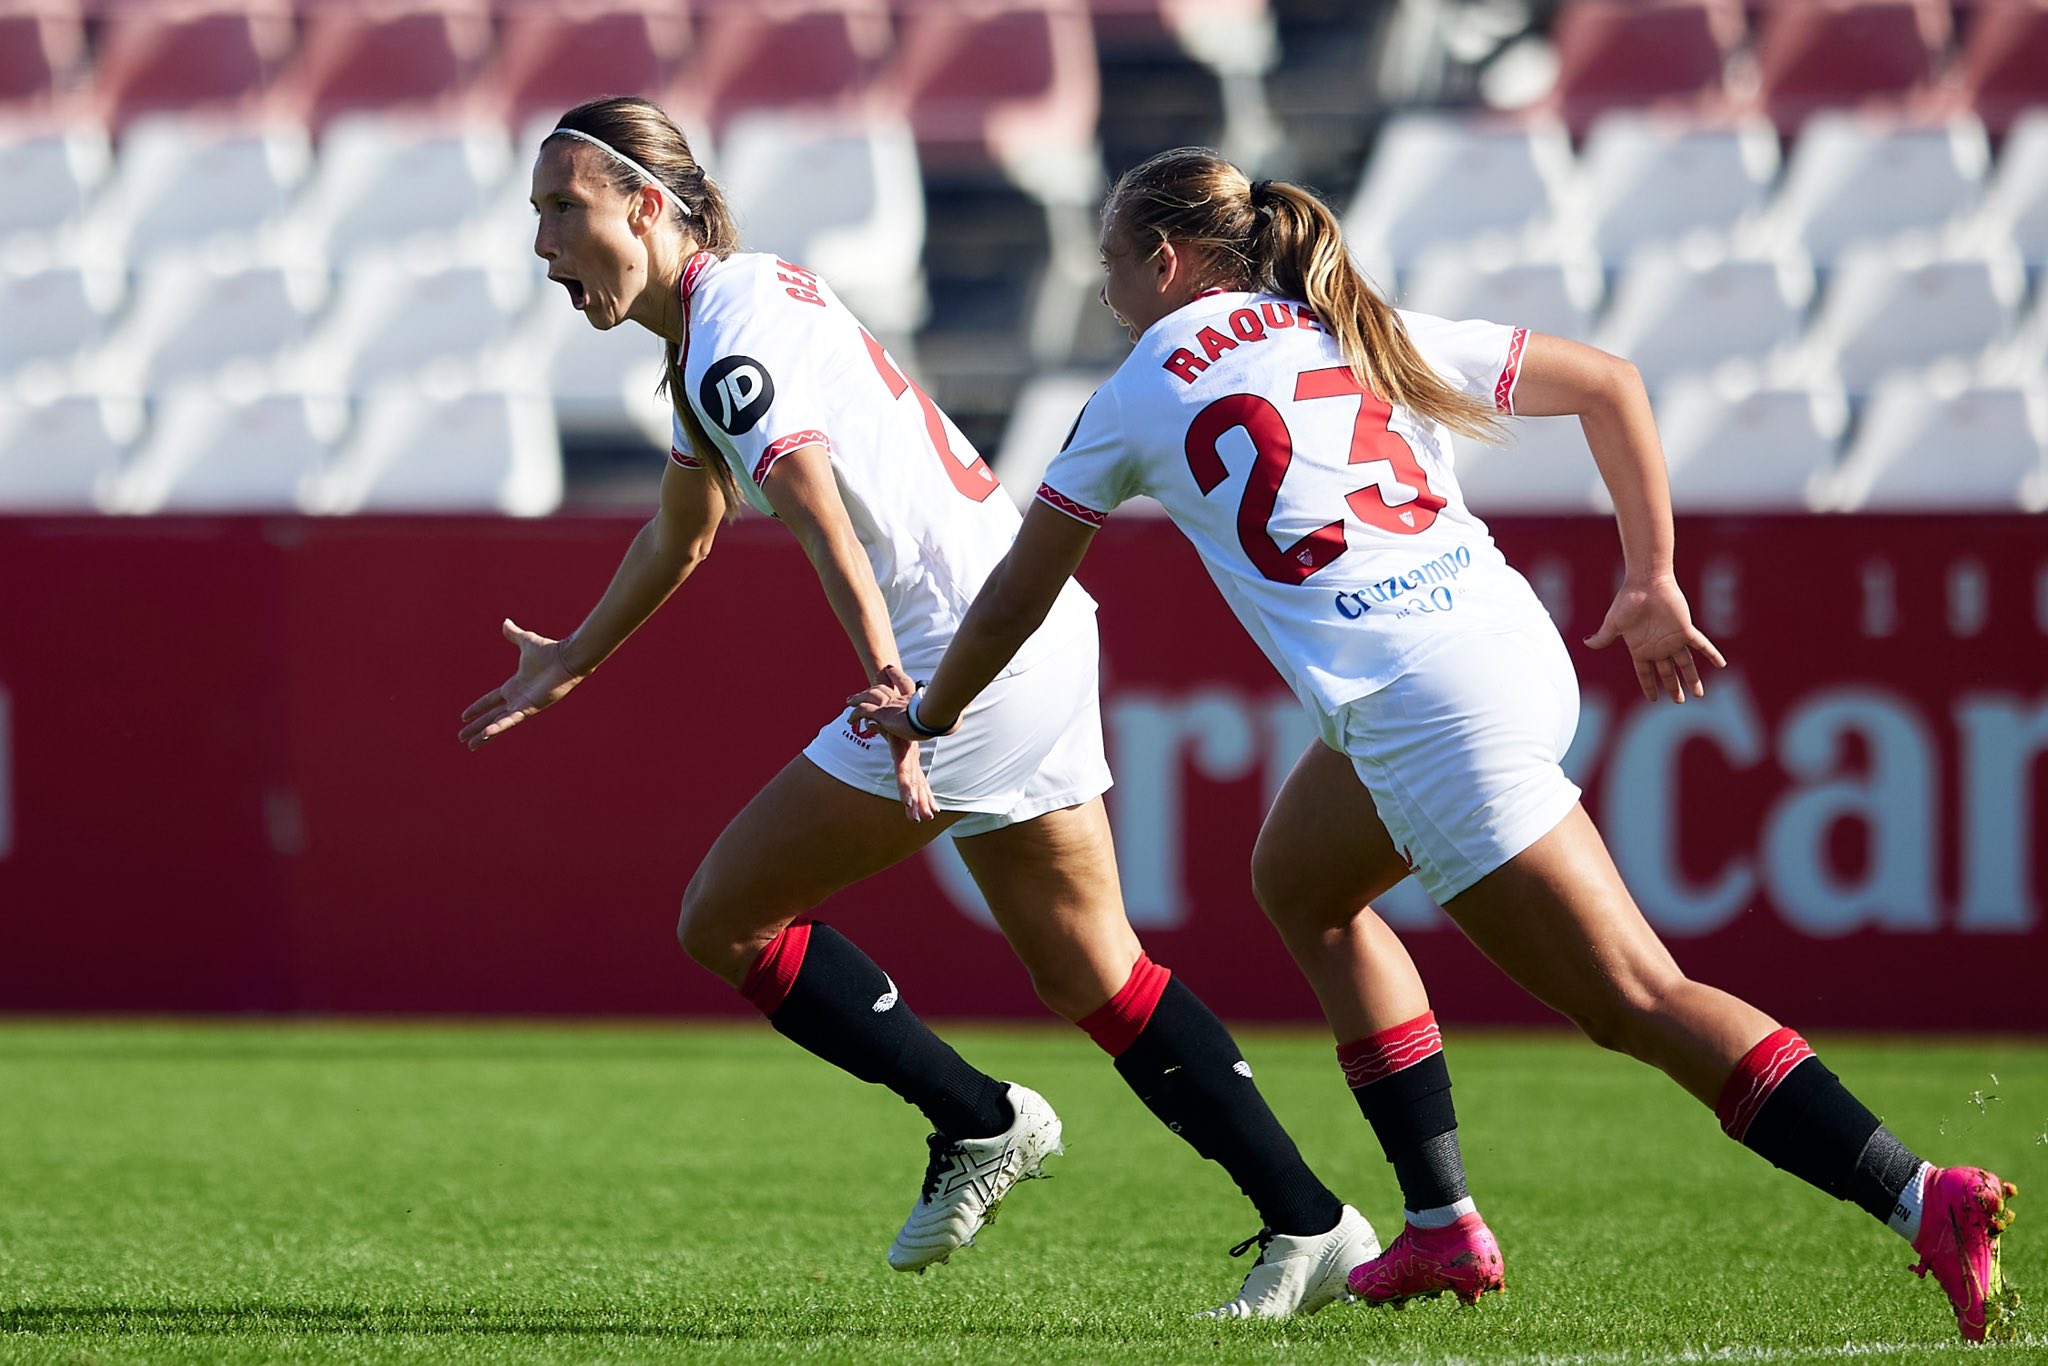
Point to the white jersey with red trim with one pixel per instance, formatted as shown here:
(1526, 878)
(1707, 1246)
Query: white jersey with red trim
(774, 363)
(1331, 522)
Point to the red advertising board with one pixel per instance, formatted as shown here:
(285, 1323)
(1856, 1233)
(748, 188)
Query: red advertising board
(229, 779)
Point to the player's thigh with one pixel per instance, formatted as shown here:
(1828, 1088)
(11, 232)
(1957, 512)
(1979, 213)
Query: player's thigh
(1051, 883)
(1323, 853)
(802, 838)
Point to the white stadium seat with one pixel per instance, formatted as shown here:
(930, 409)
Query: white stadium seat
(2016, 202)
(842, 198)
(179, 181)
(50, 175)
(194, 314)
(1732, 444)
(54, 313)
(1934, 442)
(397, 314)
(603, 383)
(1489, 281)
(383, 178)
(1045, 411)
(1899, 306)
(1851, 178)
(1685, 307)
(1644, 178)
(64, 454)
(1435, 178)
(212, 452)
(1543, 467)
(417, 450)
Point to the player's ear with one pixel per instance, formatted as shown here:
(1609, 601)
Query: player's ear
(1168, 265)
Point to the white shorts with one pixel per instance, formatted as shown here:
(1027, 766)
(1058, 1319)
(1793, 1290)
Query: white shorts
(1031, 743)
(1461, 754)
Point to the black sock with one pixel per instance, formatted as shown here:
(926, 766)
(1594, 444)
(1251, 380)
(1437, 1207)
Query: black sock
(845, 1009)
(1411, 1114)
(1810, 1126)
(1191, 1074)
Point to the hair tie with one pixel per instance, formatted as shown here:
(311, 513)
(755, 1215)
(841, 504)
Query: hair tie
(1260, 189)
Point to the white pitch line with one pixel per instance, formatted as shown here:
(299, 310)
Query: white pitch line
(1715, 1356)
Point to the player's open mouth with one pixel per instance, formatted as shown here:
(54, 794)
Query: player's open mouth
(579, 297)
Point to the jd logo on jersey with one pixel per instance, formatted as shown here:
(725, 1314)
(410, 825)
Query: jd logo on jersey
(735, 393)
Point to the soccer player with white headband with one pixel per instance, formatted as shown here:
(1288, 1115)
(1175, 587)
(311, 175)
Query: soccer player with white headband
(1298, 430)
(785, 403)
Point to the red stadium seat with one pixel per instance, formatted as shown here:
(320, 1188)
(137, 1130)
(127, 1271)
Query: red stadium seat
(990, 82)
(554, 56)
(420, 55)
(42, 48)
(217, 55)
(815, 55)
(1637, 53)
(2004, 66)
(1818, 54)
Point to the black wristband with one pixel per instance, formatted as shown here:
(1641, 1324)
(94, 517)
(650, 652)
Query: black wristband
(918, 727)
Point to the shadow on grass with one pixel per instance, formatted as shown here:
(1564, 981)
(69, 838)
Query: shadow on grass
(176, 1320)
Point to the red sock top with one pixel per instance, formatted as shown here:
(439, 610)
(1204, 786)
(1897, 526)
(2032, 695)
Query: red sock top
(1367, 1060)
(774, 972)
(1117, 1025)
(1755, 1077)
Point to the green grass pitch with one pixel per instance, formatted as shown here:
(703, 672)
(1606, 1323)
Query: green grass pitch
(533, 1193)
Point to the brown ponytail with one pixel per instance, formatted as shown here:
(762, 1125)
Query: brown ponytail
(641, 130)
(1278, 237)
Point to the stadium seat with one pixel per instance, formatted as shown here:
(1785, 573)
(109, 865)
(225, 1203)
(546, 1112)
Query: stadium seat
(1934, 442)
(1645, 178)
(1435, 179)
(1558, 297)
(820, 56)
(1835, 54)
(212, 56)
(1543, 467)
(50, 174)
(1897, 306)
(1633, 54)
(603, 383)
(2002, 72)
(1852, 177)
(56, 312)
(414, 450)
(2016, 201)
(1010, 84)
(1045, 412)
(398, 314)
(178, 181)
(420, 56)
(552, 57)
(1685, 307)
(210, 452)
(194, 314)
(843, 198)
(64, 454)
(1735, 444)
(42, 53)
(383, 178)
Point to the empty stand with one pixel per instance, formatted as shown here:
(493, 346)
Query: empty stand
(1435, 179)
(414, 450)
(1737, 445)
(1558, 297)
(1852, 177)
(397, 315)
(603, 383)
(415, 55)
(1932, 442)
(1834, 54)
(552, 57)
(2003, 70)
(1685, 307)
(42, 52)
(382, 178)
(812, 55)
(55, 313)
(50, 174)
(1645, 178)
(1045, 412)
(63, 454)
(1633, 54)
(2016, 202)
(194, 315)
(213, 56)
(180, 180)
(1006, 83)
(1542, 467)
(208, 452)
(1893, 307)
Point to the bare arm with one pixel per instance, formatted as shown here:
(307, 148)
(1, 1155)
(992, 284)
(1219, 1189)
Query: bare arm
(1650, 613)
(1011, 605)
(664, 553)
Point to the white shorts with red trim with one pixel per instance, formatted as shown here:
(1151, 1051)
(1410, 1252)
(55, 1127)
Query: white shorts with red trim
(1031, 743)
(1462, 754)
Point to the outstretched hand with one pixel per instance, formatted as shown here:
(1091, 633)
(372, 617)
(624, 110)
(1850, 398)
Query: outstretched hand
(1653, 620)
(912, 786)
(540, 681)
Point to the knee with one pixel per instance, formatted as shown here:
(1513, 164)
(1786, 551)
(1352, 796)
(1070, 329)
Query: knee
(710, 939)
(1630, 1016)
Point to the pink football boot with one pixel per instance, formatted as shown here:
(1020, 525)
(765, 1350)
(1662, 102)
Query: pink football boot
(1963, 1213)
(1423, 1263)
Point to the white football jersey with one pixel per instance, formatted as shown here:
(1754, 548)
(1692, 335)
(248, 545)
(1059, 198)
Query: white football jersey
(1331, 522)
(775, 362)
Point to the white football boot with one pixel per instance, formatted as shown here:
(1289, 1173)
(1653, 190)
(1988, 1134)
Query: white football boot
(1299, 1274)
(967, 1178)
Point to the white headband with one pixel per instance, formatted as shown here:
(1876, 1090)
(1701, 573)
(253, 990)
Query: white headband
(667, 198)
